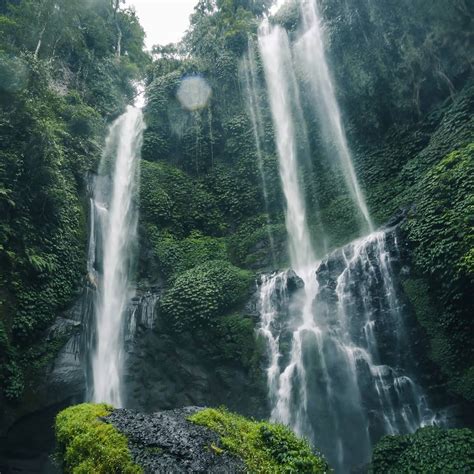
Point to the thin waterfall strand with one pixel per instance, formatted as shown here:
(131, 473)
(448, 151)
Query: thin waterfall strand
(249, 71)
(312, 57)
(284, 99)
(283, 95)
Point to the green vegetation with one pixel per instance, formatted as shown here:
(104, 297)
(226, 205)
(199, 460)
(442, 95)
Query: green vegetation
(201, 294)
(67, 69)
(441, 225)
(87, 444)
(432, 450)
(264, 447)
(441, 231)
(64, 72)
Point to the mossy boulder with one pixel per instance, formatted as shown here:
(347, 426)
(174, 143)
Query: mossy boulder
(97, 438)
(264, 447)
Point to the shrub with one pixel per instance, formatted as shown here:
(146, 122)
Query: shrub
(178, 255)
(263, 446)
(201, 294)
(87, 444)
(430, 449)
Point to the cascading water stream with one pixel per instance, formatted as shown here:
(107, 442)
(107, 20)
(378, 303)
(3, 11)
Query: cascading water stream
(346, 383)
(284, 99)
(113, 232)
(310, 53)
(334, 385)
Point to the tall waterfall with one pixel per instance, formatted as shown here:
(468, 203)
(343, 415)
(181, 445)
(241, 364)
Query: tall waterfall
(285, 103)
(336, 340)
(113, 232)
(284, 99)
(309, 51)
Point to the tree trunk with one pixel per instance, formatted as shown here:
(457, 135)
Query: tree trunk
(118, 48)
(38, 46)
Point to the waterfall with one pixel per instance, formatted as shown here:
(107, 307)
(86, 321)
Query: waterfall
(309, 50)
(347, 381)
(113, 234)
(338, 361)
(285, 106)
(284, 99)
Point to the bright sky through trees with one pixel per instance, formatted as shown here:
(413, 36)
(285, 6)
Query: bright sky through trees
(164, 21)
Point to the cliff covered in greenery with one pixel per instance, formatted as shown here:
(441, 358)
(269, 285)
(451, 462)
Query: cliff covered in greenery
(404, 81)
(63, 76)
(207, 225)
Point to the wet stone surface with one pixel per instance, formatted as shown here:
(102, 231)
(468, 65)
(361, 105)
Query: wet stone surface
(166, 442)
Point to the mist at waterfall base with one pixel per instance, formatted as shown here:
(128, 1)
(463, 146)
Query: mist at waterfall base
(327, 377)
(113, 228)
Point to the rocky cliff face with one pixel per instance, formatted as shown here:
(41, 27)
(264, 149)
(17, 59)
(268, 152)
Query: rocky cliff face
(167, 369)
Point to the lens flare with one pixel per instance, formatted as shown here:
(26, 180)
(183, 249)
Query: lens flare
(194, 93)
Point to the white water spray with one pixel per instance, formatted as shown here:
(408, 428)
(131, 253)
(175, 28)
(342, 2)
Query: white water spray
(116, 219)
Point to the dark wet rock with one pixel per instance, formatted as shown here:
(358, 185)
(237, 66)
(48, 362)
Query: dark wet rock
(164, 370)
(61, 379)
(294, 282)
(166, 441)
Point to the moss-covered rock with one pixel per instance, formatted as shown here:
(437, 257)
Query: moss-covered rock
(428, 450)
(264, 447)
(99, 439)
(87, 444)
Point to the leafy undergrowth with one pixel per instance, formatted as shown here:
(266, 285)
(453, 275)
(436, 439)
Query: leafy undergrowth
(88, 445)
(263, 446)
(428, 450)
(440, 230)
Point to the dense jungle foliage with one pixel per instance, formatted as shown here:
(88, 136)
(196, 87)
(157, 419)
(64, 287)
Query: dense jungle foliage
(430, 449)
(404, 77)
(65, 72)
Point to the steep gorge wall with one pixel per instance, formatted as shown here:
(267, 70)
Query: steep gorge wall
(203, 218)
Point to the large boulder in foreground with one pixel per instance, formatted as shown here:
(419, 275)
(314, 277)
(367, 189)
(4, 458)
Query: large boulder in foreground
(100, 439)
